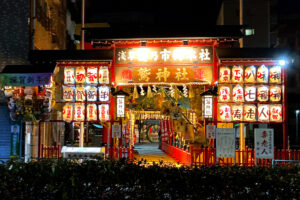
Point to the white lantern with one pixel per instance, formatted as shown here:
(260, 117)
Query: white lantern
(249, 113)
(91, 93)
(68, 112)
(275, 74)
(92, 75)
(275, 93)
(263, 93)
(237, 112)
(91, 114)
(103, 93)
(68, 93)
(80, 75)
(250, 74)
(237, 74)
(79, 112)
(263, 113)
(207, 105)
(225, 113)
(238, 93)
(224, 93)
(262, 74)
(104, 75)
(250, 93)
(276, 113)
(103, 112)
(224, 75)
(69, 77)
(80, 93)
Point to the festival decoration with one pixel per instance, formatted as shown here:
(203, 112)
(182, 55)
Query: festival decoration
(149, 92)
(275, 74)
(224, 112)
(263, 93)
(185, 91)
(224, 75)
(262, 74)
(91, 93)
(92, 75)
(68, 112)
(224, 94)
(154, 88)
(79, 112)
(191, 92)
(249, 113)
(263, 113)
(103, 110)
(135, 93)
(80, 94)
(237, 74)
(142, 90)
(250, 93)
(103, 75)
(69, 77)
(103, 93)
(250, 74)
(238, 93)
(68, 93)
(237, 112)
(80, 75)
(276, 113)
(275, 93)
(91, 114)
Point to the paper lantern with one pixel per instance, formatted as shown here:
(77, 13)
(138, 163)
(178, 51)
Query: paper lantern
(224, 94)
(79, 111)
(237, 112)
(103, 93)
(262, 74)
(103, 112)
(91, 113)
(249, 113)
(263, 93)
(250, 93)
(263, 113)
(237, 74)
(225, 113)
(91, 93)
(103, 75)
(276, 113)
(68, 112)
(68, 93)
(80, 94)
(275, 74)
(69, 77)
(80, 75)
(275, 93)
(250, 74)
(238, 93)
(92, 75)
(224, 75)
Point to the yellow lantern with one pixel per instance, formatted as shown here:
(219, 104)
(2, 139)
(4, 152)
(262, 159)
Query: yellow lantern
(91, 93)
(68, 112)
(249, 113)
(276, 113)
(224, 112)
(103, 110)
(80, 75)
(263, 93)
(250, 93)
(237, 112)
(263, 113)
(275, 93)
(92, 75)
(224, 75)
(69, 77)
(80, 94)
(275, 74)
(262, 74)
(238, 93)
(91, 114)
(79, 112)
(237, 74)
(68, 93)
(250, 74)
(103, 75)
(224, 94)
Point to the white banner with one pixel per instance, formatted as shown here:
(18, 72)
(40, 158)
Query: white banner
(264, 143)
(225, 143)
(211, 131)
(116, 131)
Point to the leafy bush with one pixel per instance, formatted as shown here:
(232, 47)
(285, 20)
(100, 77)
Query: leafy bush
(103, 179)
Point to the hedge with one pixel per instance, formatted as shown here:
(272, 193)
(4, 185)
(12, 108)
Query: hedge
(104, 179)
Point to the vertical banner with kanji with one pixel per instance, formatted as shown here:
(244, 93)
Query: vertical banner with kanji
(264, 143)
(225, 143)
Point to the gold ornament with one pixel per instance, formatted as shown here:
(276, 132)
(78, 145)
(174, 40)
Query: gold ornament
(135, 93)
(149, 92)
(191, 92)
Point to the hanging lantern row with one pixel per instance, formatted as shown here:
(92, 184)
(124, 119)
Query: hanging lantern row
(77, 111)
(250, 74)
(249, 93)
(89, 93)
(250, 112)
(89, 75)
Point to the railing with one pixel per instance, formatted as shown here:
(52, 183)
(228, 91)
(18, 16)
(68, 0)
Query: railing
(180, 155)
(120, 152)
(50, 151)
